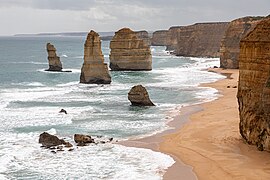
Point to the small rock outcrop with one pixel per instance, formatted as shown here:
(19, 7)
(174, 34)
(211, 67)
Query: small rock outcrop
(83, 140)
(254, 86)
(47, 140)
(128, 52)
(63, 111)
(54, 60)
(230, 44)
(94, 70)
(138, 96)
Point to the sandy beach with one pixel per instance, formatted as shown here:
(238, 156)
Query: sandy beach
(205, 141)
(210, 142)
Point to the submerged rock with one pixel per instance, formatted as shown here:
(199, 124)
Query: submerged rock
(47, 140)
(94, 70)
(138, 96)
(129, 52)
(54, 60)
(82, 139)
(254, 86)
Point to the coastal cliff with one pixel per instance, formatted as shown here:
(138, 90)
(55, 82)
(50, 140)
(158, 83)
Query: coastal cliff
(128, 52)
(160, 38)
(54, 60)
(144, 35)
(94, 70)
(254, 86)
(200, 40)
(197, 40)
(229, 50)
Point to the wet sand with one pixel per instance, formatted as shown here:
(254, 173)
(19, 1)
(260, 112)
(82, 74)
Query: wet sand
(205, 141)
(211, 143)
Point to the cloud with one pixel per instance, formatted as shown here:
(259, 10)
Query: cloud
(110, 15)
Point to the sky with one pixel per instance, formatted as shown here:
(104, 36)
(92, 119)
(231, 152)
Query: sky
(42, 16)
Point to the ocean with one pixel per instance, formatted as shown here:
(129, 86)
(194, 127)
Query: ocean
(30, 99)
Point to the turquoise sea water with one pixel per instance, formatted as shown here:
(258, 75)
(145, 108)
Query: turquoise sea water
(30, 99)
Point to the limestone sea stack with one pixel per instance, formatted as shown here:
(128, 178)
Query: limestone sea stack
(54, 60)
(230, 44)
(94, 70)
(128, 52)
(138, 96)
(254, 86)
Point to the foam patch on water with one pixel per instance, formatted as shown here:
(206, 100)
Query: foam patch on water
(34, 84)
(23, 158)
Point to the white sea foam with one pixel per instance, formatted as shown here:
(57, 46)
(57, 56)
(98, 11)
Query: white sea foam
(101, 109)
(78, 57)
(114, 161)
(74, 83)
(38, 84)
(64, 55)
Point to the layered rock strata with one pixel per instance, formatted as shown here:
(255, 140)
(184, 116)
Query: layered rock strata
(144, 36)
(197, 40)
(200, 40)
(138, 96)
(54, 60)
(230, 44)
(94, 70)
(160, 38)
(128, 52)
(254, 86)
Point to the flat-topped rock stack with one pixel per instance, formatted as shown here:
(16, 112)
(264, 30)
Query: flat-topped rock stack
(128, 52)
(94, 70)
(254, 86)
(230, 44)
(54, 60)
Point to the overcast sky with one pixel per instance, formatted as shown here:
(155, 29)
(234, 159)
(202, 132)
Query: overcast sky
(37, 16)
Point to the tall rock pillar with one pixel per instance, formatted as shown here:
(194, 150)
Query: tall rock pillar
(254, 86)
(54, 60)
(94, 70)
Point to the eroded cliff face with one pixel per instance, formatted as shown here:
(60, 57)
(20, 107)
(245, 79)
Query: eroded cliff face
(54, 60)
(200, 40)
(144, 36)
(254, 86)
(128, 52)
(160, 38)
(94, 70)
(173, 37)
(230, 44)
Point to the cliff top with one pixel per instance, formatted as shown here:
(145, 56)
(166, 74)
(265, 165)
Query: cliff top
(249, 18)
(260, 32)
(93, 33)
(210, 23)
(125, 30)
